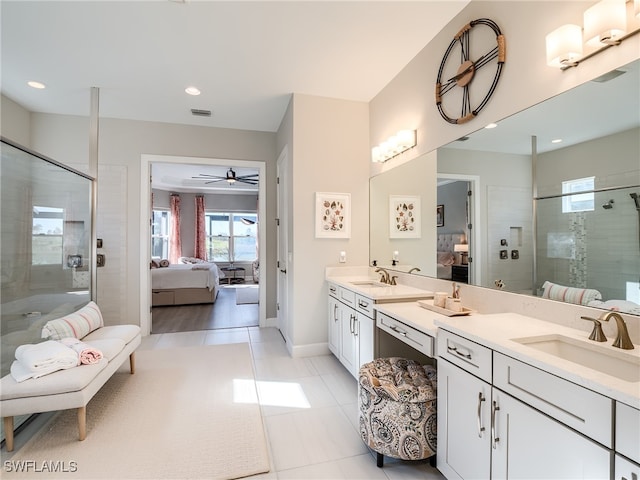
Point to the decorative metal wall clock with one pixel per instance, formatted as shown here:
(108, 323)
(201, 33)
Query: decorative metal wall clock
(469, 72)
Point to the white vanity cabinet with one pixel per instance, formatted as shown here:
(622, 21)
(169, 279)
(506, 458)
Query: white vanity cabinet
(491, 422)
(627, 461)
(350, 326)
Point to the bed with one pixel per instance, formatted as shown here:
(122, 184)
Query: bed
(184, 284)
(445, 256)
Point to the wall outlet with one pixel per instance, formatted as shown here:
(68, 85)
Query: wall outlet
(515, 254)
(503, 255)
(343, 257)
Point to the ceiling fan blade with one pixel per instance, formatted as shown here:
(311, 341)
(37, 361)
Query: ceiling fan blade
(204, 175)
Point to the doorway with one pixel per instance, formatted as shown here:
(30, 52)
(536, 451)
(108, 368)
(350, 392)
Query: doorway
(146, 310)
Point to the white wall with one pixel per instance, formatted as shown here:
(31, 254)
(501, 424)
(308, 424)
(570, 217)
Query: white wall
(121, 145)
(330, 154)
(15, 122)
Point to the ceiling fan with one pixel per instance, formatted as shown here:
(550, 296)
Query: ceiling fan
(231, 178)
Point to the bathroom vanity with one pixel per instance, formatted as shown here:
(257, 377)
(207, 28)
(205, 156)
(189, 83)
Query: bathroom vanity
(518, 397)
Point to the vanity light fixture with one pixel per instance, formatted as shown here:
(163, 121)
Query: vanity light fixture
(605, 25)
(393, 146)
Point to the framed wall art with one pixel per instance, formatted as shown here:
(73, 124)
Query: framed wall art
(404, 216)
(440, 216)
(333, 215)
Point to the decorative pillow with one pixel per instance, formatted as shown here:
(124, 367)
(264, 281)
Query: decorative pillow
(77, 324)
(446, 258)
(579, 296)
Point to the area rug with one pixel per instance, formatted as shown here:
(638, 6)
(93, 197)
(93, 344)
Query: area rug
(179, 416)
(247, 295)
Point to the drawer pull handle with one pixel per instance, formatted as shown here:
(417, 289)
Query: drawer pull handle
(363, 304)
(457, 352)
(494, 439)
(335, 312)
(480, 427)
(397, 330)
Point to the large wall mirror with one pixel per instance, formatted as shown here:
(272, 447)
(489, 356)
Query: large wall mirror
(547, 203)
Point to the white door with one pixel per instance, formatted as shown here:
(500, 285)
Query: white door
(283, 244)
(464, 448)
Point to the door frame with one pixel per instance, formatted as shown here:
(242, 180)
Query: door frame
(282, 244)
(475, 242)
(145, 227)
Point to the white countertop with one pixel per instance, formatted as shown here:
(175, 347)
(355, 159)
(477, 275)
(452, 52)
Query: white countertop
(387, 293)
(496, 331)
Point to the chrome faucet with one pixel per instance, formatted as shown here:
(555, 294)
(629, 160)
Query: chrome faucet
(414, 269)
(622, 339)
(384, 275)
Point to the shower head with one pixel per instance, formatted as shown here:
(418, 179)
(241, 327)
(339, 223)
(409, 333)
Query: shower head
(608, 205)
(636, 199)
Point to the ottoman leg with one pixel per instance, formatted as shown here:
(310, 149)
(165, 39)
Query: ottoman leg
(379, 459)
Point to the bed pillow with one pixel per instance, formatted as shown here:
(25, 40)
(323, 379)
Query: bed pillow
(77, 324)
(579, 296)
(446, 258)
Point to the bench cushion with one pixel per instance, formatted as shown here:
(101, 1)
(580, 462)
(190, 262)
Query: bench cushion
(62, 381)
(126, 333)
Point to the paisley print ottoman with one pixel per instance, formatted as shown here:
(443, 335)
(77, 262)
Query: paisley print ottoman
(397, 408)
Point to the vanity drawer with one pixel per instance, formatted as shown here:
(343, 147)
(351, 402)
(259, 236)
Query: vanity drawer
(627, 428)
(468, 355)
(586, 411)
(409, 335)
(347, 296)
(333, 290)
(364, 305)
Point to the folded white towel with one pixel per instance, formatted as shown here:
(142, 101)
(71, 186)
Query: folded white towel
(35, 360)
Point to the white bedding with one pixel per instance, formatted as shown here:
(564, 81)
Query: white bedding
(184, 276)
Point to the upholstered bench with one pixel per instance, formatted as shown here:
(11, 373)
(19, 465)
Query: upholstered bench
(397, 408)
(73, 387)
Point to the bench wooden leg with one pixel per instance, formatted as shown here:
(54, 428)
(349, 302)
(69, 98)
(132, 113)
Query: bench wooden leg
(132, 362)
(82, 423)
(8, 433)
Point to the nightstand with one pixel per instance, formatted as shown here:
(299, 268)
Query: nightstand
(460, 273)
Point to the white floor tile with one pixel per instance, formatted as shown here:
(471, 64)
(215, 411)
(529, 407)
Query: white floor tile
(342, 386)
(313, 436)
(269, 334)
(227, 335)
(352, 468)
(295, 395)
(283, 368)
(181, 339)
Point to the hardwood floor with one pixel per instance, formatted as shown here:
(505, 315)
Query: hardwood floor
(224, 313)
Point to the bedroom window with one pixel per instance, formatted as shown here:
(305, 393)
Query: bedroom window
(231, 237)
(580, 202)
(160, 233)
(47, 234)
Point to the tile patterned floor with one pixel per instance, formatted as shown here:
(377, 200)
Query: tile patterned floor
(315, 435)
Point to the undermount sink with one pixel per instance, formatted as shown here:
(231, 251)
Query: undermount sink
(369, 283)
(617, 364)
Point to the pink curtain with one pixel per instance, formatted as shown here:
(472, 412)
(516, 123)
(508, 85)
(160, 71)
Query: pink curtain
(175, 244)
(200, 249)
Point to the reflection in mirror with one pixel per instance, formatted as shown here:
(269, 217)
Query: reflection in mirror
(46, 246)
(587, 241)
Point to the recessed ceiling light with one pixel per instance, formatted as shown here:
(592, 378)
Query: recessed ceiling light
(491, 125)
(192, 91)
(556, 140)
(34, 84)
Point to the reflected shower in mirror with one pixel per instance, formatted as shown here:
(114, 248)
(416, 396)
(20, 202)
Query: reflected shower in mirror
(522, 234)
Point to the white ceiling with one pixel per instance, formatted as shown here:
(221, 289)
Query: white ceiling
(245, 57)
